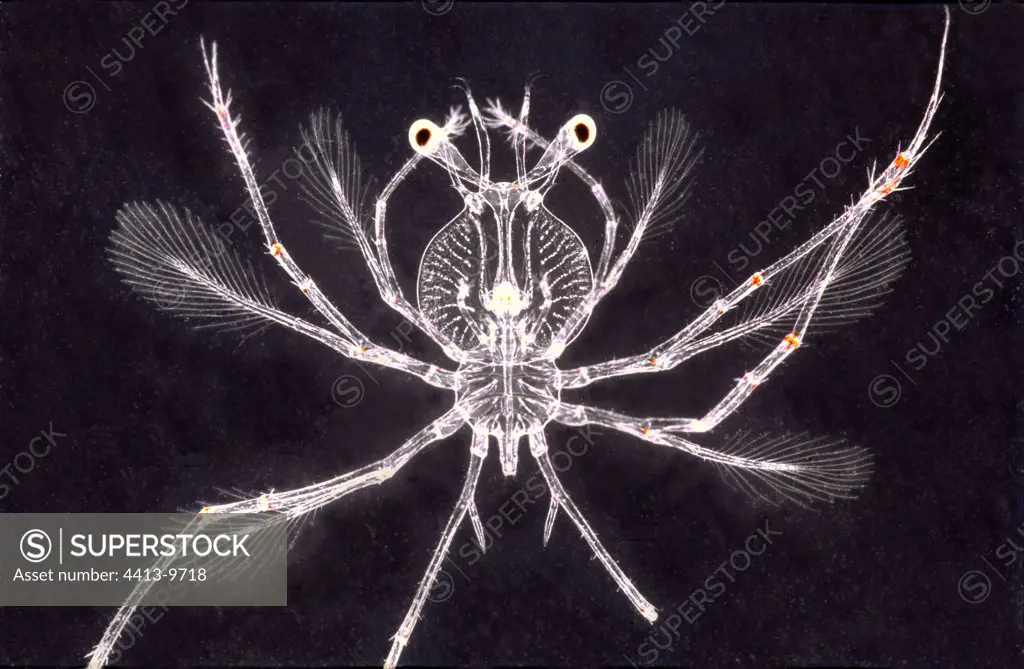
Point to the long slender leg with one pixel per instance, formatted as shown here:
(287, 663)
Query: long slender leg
(391, 292)
(288, 506)
(872, 262)
(335, 189)
(220, 106)
(464, 505)
(839, 234)
(855, 291)
(658, 187)
(539, 449)
(304, 500)
(793, 466)
(175, 261)
(387, 282)
(744, 387)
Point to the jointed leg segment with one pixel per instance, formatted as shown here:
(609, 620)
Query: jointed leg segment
(335, 188)
(289, 505)
(465, 504)
(838, 235)
(792, 467)
(360, 347)
(560, 498)
(301, 501)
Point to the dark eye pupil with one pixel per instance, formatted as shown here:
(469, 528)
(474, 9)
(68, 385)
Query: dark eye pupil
(422, 137)
(582, 132)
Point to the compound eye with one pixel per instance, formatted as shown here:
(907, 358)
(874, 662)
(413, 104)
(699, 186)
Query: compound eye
(425, 136)
(582, 131)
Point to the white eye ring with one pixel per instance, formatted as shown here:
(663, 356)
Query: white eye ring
(582, 131)
(425, 136)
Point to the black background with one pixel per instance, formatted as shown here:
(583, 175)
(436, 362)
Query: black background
(158, 414)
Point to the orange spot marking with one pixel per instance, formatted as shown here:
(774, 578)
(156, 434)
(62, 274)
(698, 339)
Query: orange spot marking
(223, 116)
(902, 161)
(653, 361)
(757, 279)
(276, 248)
(645, 429)
(792, 340)
(363, 349)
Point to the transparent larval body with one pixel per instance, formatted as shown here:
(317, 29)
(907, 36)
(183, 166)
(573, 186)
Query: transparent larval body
(503, 288)
(500, 280)
(535, 266)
